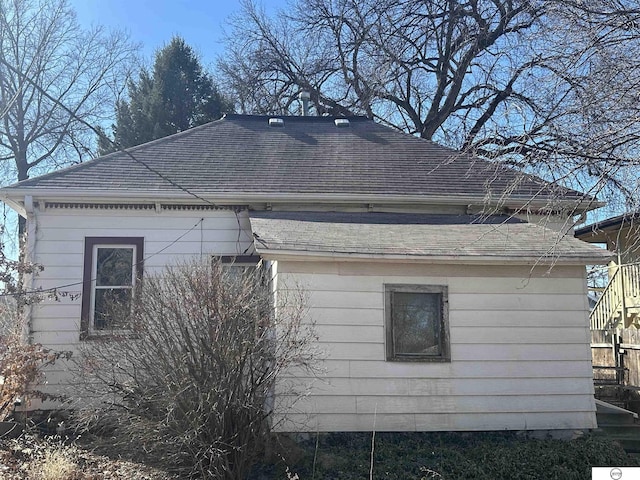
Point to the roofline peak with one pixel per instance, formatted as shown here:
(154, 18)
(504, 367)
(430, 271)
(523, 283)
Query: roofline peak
(296, 118)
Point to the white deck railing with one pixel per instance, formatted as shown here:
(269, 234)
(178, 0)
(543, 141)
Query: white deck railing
(621, 293)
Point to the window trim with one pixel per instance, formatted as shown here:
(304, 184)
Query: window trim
(88, 282)
(243, 263)
(238, 260)
(445, 346)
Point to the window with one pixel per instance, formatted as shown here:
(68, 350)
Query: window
(241, 265)
(111, 267)
(240, 261)
(417, 323)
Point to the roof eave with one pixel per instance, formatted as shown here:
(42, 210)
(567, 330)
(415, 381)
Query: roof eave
(608, 225)
(298, 255)
(12, 197)
(16, 206)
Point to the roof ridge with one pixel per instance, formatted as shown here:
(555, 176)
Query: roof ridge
(299, 118)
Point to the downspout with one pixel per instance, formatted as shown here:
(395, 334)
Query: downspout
(304, 98)
(29, 257)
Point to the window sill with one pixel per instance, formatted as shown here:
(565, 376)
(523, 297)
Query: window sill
(419, 359)
(113, 335)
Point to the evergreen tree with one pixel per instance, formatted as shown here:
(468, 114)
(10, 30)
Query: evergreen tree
(176, 96)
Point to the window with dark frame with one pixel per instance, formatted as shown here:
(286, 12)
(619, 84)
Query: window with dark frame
(240, 265)
(417, 323)
(239, 260)
(112, 265)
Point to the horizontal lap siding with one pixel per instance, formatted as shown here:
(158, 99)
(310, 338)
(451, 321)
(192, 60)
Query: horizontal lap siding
(168, 237)
(479, 404)
(519, 348)
(447, 386)
(435, 422)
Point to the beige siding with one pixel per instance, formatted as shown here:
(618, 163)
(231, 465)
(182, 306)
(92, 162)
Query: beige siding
(168, 237)
(437, 421)
(519, 348)
(519, 338)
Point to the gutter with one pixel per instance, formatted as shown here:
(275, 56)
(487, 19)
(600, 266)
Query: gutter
(11, 196)
(296, 255)
(616, 222)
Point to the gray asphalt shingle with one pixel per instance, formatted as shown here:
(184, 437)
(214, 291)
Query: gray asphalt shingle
(308, 155)
(423, 235)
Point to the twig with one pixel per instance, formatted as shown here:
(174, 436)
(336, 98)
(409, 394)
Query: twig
(373, 440)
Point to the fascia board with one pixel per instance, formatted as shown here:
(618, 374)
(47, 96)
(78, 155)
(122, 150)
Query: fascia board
(294, 255)
(93, 196)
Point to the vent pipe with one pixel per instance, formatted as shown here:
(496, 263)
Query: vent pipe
(304, 99)
(276, 122)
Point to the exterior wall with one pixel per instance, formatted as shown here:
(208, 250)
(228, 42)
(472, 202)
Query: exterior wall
(168, 236)
(627, 242)
(563, 224)
(519, 349)
(519, 339)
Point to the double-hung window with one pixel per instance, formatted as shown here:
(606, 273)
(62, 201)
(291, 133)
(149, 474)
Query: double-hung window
(417, 323)
(112, 265)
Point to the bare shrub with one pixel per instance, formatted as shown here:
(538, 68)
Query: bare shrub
(191, 383)
(21, 362)
(21, 369)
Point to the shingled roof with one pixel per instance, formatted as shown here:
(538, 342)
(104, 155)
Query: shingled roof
(412, 236)
(243, 155)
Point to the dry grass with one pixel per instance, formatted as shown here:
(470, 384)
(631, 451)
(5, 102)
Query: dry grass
(33, 458)
(57, 463)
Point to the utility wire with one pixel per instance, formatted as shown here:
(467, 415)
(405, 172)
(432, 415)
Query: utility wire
(75, 284)
(120, 150)
(100, 134)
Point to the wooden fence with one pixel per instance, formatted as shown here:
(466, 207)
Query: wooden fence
(616, 365)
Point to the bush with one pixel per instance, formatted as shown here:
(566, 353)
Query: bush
(21, 365)
(21, 362)
(450, 456)
(192, 383)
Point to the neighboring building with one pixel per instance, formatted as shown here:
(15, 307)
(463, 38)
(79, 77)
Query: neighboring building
(444, 289)
(618, 304)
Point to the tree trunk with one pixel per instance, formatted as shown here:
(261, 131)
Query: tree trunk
(23, 174)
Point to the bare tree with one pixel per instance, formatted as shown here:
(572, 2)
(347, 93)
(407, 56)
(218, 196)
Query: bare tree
(47, 61)
(545, 85)
(192, 376)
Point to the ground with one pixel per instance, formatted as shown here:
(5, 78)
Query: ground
(30, 457)
(339, 456)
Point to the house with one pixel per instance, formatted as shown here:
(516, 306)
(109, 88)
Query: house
(445, 291)
(618, 304)
(615, 316)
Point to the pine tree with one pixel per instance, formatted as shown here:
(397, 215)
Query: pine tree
(175, 96)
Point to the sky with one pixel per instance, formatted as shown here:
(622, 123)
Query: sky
(152, 23)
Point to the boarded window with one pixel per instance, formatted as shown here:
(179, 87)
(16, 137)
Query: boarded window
(417, 322)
